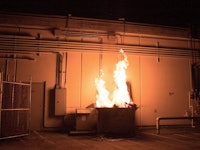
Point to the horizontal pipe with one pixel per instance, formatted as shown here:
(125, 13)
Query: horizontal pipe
(33, 45)
(158, 119)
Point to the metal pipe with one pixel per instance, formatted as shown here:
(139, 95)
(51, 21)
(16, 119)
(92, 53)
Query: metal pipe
(29, 121)
(158, 119)
(27, 45)
(70, 32)
(65, 73)
(81, 78)
(1, 97)
(57, 70)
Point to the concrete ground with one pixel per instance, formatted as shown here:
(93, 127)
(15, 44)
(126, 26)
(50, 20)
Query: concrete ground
(183, 138)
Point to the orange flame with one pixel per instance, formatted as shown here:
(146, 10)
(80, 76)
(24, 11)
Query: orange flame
(121, 95)
(102, 98)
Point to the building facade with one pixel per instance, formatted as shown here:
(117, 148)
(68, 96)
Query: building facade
(63, 55)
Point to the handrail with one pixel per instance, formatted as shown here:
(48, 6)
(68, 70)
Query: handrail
(158, 119)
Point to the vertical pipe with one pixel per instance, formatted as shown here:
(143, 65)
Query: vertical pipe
(13, 95)
(100, 64)
(1, 93)
(6, 73)
(192, 120)
(123, 31)
(29, 121)
(189, 97)
(158, 125)
(157, 45)
(15, 73)
(65, 78)
(60, 70)
(61, 67)
(81, 80)
(57, 70)
(140, 91)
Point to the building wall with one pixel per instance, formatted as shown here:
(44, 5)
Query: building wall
(159, 88)
(165, 87)
(41, 69)
(159, 61)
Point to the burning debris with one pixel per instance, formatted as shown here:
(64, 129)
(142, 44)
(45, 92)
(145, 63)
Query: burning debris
(121, 96)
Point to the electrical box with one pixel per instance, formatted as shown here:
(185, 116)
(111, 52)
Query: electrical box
(60, 101)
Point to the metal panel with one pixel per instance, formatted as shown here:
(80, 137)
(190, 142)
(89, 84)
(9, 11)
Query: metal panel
(116, 121)
(37, 105)
(60, 101)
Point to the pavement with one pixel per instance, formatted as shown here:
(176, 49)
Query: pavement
(176, 138)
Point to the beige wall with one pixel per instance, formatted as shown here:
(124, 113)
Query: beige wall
(165, 88)
(42, 69)
(158, 88)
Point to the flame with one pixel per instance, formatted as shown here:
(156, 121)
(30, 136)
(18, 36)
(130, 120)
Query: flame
(120, 97)
(102, 98)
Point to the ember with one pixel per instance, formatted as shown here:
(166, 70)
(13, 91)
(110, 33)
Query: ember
(121, 97)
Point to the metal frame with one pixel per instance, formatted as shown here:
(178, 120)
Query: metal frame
(158, 119)
(28, 109)
(1, 93)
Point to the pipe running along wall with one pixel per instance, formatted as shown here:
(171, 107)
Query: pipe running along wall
(12, 44)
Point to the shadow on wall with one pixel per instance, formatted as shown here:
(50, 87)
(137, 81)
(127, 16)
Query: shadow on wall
(52, 103)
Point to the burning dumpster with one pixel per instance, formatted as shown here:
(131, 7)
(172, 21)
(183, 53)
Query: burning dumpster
(116, 121)
(116, 111)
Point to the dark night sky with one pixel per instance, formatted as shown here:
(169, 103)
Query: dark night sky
(164, 12)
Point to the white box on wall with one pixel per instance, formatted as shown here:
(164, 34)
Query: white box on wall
(60, 101)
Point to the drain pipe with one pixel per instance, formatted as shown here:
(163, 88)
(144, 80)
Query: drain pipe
(58, 70)
(158, 119)
(61, 70)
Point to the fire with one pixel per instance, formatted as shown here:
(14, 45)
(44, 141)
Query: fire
(103, 94)
(121, 96)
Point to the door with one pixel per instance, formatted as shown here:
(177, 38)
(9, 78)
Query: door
(37, 105)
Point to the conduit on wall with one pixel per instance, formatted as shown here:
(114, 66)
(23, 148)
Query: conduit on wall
(33, 45)
(60, 89)
(61, 70)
